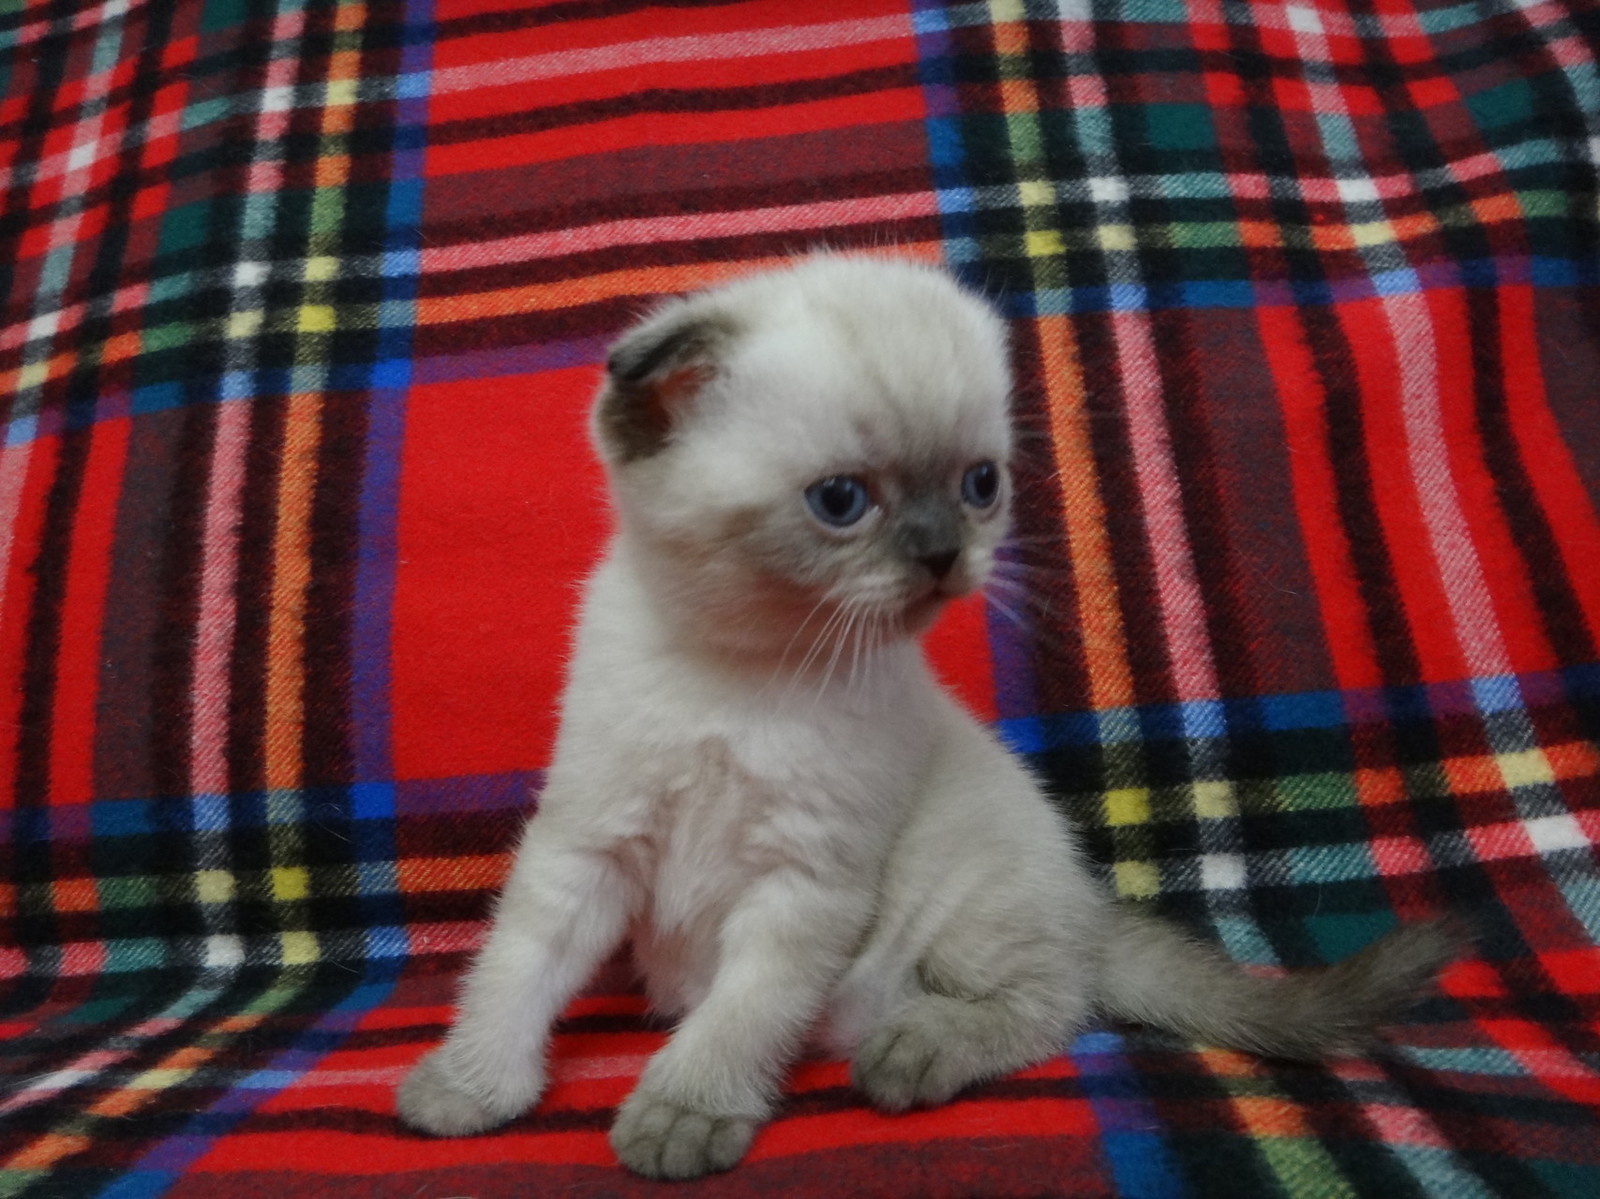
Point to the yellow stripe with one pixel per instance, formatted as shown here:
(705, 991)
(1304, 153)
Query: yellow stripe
(1084, 514)
(291, 575)
(285, 716)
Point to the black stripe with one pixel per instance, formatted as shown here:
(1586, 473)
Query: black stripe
(34, 864)
(247, 682)
(509, 20)
(1060, 670)
(672, 100)
(172, 674)
(327, 741)
(1560, 613)
(1196, 460)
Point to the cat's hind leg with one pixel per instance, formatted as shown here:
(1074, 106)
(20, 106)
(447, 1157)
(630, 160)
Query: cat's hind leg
(986, 946)
(948, 1037)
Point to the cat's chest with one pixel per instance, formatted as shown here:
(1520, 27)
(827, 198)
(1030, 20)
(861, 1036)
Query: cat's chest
(714, 830)
(708, 818)
(710, 783)
(760, 793)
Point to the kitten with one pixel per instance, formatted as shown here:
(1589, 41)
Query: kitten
(759, 783)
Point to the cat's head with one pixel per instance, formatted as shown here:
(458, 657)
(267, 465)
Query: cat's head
(825, 442)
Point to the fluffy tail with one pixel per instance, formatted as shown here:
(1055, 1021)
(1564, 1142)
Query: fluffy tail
(1157, 975)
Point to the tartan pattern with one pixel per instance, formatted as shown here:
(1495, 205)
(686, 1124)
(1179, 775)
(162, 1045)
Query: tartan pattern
(300, 304)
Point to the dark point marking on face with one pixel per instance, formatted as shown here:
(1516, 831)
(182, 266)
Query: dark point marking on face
(928, 529)
(654, 371)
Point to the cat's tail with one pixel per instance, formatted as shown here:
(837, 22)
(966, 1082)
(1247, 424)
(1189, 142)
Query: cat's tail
(1156, 974)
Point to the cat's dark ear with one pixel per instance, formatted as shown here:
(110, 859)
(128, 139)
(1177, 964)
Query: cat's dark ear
(653, 371)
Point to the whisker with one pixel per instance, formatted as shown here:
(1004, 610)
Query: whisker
(833, 659)
(795, 636)
(1016, 591)
(1041, 638)
(1011, 568)
(837, 616)
(869, 644)
(1031, 558)
(855, 655)
(1022, 589)
(1005, 611)
(1032, 539)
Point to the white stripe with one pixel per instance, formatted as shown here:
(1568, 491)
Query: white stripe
(746, 43)
(655, 230)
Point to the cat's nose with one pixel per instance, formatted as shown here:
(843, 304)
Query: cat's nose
(939, 563)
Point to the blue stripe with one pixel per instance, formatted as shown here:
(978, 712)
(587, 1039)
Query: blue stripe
(372, 799)
(1141, 1166)
(1298, 711)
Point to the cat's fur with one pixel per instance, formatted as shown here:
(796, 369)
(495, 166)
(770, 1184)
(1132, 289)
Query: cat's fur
(758, 781)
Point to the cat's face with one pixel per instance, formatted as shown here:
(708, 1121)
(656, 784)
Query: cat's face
(815, 455)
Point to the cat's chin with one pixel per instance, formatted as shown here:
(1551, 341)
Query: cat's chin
(921, 612)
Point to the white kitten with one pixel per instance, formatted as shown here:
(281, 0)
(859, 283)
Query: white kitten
(760, 784)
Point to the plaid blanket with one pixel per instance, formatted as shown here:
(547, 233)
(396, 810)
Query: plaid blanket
(303, 302)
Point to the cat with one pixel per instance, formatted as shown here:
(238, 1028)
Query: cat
(758, 782)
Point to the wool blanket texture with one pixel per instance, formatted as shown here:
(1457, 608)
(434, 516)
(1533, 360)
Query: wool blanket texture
(302, 304)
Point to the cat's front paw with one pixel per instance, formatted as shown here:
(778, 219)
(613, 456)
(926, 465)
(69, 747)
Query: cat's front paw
(905, 1065)
(430, 1101)
(660, 1138)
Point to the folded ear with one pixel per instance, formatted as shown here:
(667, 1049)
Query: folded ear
(653, 372)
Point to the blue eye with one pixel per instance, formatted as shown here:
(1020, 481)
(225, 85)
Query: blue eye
(981, 484)
(838, 500)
